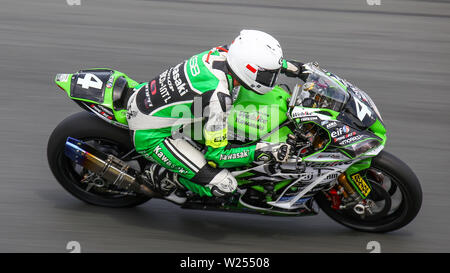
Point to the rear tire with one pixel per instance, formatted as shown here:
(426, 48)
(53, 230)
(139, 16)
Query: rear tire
(86, 126)
(401, 180)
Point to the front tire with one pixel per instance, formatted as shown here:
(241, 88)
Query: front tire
(399, 193)
(87, 127)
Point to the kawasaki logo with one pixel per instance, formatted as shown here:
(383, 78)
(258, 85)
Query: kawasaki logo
(181, 86)
(235, 155)
(157, 151)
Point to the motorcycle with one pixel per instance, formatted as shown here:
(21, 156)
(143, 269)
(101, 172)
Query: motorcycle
(337, 163)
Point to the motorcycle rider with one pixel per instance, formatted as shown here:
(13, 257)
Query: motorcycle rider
(206, 81)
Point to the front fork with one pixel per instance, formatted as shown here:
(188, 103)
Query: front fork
(353, 188)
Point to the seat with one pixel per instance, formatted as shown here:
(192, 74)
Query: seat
(121, 94)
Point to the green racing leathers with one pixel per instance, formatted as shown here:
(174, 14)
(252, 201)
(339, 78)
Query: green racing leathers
(197, 88)
(190, 91)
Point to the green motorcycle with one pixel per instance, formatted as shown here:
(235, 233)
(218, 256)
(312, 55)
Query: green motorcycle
(338, 163)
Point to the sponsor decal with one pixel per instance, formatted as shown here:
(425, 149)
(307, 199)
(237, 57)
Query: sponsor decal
(298, 202)
(253, 119)
(181, 86)
(62, 77)
(148, 101)
(242, 154)
(361, 184)
(193, 62)
(331, 125)
(103, 111)
(308, 119)
(332, 176)
(153, 87)
(328, 164)
(350, 140)
(305, 177)
(329, 155)
(170, 86)
(298, 114)
(169, 80)
(220, 138)
(109, 83)
(338, 138)
(343, 130)
(163, 86)
(157, 151)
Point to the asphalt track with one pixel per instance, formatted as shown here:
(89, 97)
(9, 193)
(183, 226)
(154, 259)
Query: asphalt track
(398, 51)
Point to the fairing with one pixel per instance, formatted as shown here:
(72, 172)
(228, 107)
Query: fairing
(95, 90)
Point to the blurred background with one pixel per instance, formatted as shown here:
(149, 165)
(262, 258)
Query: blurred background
(398, 51)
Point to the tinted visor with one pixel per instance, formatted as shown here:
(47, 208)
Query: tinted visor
(267, 77)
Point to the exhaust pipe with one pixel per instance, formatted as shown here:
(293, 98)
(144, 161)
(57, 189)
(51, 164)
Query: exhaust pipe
(108, 167)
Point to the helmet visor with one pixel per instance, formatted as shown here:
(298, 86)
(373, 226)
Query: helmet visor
(267, 77)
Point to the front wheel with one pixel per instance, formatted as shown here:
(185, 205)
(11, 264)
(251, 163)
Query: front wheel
(103, 136)
(396, 198)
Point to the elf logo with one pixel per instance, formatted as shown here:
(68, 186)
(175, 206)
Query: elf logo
(340, 131)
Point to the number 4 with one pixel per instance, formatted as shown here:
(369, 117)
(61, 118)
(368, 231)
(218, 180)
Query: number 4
(90, 80)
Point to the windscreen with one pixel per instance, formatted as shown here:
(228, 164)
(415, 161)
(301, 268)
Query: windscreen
(321, 90)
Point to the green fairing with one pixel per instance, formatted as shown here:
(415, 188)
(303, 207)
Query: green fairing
(355, 168)
(359, 166)
(379, 130)
(108, 97)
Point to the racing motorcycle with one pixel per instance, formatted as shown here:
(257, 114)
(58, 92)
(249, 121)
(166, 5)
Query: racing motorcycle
(337, 163)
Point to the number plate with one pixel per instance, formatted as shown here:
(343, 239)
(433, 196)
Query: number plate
(90, 84)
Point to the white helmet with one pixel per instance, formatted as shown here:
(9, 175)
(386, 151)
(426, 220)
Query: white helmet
(255, 59)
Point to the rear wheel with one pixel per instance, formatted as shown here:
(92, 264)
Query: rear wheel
(104, 137)
(395, 199)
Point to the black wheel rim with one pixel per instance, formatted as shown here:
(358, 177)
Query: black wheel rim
(390, 197)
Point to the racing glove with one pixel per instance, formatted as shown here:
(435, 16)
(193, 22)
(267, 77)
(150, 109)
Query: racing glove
(268, 151)
(294, 68)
